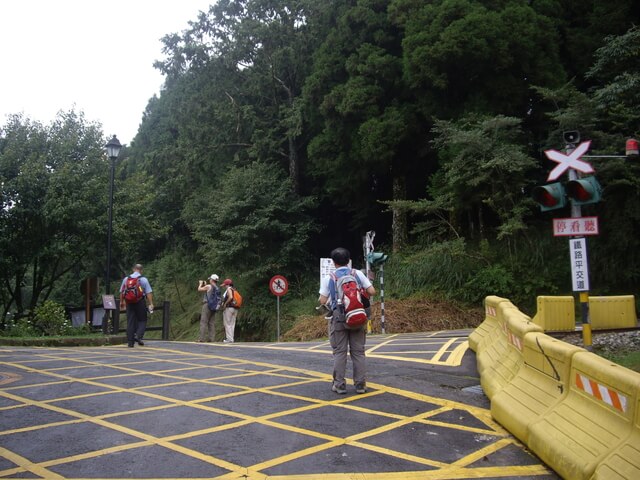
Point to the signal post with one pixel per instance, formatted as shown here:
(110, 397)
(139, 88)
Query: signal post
(579, 191)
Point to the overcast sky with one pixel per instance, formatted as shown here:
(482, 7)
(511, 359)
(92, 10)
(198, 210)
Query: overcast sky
(96, 57)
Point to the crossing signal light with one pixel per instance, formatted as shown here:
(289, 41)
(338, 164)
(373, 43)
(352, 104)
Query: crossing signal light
(376, 258)
(550, 196)
(584, 191)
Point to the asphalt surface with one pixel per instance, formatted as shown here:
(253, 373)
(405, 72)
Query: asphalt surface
(252, 411)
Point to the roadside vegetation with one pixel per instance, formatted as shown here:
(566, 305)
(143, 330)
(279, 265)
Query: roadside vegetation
(627, 358)
(287, 128)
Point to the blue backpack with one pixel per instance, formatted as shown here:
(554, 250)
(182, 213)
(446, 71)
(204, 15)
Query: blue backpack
(213, 298)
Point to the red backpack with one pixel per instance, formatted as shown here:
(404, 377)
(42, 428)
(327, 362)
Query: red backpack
(133, 291)
(350, 307)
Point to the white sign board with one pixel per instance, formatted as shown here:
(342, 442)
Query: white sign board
(575, 227)
(579, 265)
(327, 267)
(78, 317)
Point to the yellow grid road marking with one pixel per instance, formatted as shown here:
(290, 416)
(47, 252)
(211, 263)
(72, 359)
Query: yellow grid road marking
(224, 375)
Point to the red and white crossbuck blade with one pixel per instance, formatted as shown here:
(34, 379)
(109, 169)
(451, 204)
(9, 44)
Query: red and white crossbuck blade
(569, 161)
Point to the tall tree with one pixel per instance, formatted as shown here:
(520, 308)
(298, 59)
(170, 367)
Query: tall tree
(232, 82)
(256, 224)
(463, 56)
(366, 144)
(52, 182)
(478, 192)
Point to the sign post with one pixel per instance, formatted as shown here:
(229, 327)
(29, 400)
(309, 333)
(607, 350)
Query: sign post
(576, 227)
(368, 249)
(278, 286)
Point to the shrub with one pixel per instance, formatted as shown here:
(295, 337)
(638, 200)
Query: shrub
(22, 327)
(51, 319)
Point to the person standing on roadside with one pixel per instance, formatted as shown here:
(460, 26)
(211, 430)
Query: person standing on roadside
(136, 295)
(342, 338)
(210, 303)
(230, 311)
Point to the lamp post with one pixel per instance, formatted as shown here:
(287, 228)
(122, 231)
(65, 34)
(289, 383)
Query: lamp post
(113, 150)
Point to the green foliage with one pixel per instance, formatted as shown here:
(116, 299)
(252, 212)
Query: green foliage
(471, 56)
(618, 71)
(465, 272)
(22, 327)
(254, 225)
(440, 267)
(51, 319)
(484, 168)
(626, 358)
(363, 133)
(489, 280)
(52, 197)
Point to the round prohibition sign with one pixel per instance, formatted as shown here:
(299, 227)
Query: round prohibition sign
(278, 285)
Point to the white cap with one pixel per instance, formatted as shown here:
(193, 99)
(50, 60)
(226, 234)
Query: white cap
(214, 277)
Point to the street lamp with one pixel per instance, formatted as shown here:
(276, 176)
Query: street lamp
(113, 150)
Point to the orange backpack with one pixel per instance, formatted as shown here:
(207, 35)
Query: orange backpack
(237, 298)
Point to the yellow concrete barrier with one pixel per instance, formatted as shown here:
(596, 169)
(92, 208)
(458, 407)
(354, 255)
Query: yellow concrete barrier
(612, 312)
(540, 384)
(485, 330)
(556, 314)
(593, 420)
(509, 358)
(493, 346)
(624, 461)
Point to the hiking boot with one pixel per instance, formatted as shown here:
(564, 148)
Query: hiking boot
(340, 389)
(361, 388)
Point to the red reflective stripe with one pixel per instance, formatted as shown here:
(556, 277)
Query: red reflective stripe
(602, 393)
(615, 399)
(595, 389)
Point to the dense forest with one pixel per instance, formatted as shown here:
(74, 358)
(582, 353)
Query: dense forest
(286, 128)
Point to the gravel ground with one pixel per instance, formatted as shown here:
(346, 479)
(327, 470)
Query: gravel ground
(607, 342)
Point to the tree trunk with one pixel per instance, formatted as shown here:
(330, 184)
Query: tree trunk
(293, 164)
(471, 224)
(399, 222)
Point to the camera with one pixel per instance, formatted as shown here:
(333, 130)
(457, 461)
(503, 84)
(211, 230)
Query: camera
(571, 136)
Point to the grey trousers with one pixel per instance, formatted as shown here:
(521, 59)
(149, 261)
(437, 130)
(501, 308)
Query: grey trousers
(343, 339)
(229, 319)
(207, 324)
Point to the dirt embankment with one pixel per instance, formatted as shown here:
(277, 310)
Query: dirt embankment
(401, 316)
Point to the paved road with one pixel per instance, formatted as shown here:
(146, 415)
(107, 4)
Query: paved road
(252, 411)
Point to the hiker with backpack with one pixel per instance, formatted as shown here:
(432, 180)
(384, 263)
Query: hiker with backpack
(231, 302)
(210, 305)
(346, 292)
(136, 294)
